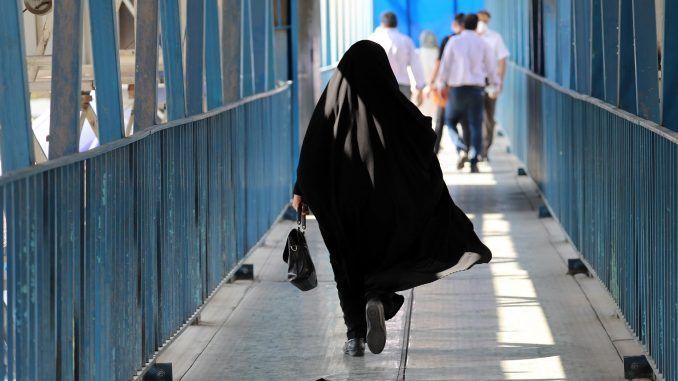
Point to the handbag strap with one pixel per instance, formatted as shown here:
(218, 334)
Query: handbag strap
(301, 217)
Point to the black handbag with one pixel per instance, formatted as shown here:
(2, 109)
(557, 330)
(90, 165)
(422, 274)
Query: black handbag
(301, 271)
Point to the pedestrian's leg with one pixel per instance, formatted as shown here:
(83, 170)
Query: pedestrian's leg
(488, 124)
(466, 133)
(351, 299)
(475, 121)
(453, 112)
(440, 122)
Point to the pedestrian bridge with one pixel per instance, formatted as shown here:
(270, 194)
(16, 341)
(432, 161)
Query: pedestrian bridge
(148, 151)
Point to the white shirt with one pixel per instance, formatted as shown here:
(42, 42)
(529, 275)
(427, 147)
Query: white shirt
(401, 54)
(496, 43)
(467, 61)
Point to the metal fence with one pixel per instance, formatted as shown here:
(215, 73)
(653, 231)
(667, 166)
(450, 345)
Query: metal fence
(610, 178)
(109, 252)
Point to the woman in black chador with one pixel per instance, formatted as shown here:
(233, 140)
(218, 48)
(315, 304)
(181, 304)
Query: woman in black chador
(368, 173)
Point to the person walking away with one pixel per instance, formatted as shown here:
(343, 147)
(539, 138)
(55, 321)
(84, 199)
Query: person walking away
(401, 54)
(457, 27)
(368, 173)
(501, 53)
(468, 61)
(428, 55)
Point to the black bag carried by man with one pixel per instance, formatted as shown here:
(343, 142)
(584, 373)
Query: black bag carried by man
(301, 271)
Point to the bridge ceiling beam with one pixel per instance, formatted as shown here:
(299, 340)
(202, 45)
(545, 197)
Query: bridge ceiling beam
(15, 117)
(146, 65)
(102, 16)
(65, 103)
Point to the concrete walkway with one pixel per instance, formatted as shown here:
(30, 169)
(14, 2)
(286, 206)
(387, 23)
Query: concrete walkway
(519, 318)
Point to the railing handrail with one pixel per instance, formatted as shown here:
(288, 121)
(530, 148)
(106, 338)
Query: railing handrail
(648, 124)
(82, 156)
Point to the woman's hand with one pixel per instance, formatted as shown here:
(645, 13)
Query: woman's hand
(297, 202)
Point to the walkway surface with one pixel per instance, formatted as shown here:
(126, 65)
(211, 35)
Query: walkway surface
(519, 318)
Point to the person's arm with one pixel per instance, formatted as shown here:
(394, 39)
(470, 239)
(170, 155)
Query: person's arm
(445, 63)
(415, 64)
(502, 55)
(501, 69)
(490, 63)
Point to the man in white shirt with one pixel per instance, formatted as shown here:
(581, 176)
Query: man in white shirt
(467, 63)
(501, 53)
(401, 55)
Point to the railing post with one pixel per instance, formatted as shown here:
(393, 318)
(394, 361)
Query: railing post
(146, 65)
(64, 129)
(626, 90)
(172, 59)
(106, 70)
(610, 20)
(16, 140)
(294, 67)
(247, 68)
(670, 66)
(232, 42)
(597, 74)
(647, 69)
(195, 31)
(215, 94)
(582, 45)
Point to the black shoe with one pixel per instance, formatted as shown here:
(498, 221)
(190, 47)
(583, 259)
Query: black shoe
(376, 325)
(392, 306)
(355, 347)
(474, 168)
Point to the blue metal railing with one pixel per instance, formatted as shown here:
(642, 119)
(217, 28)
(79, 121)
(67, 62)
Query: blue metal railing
(109, 252)
(610, 178)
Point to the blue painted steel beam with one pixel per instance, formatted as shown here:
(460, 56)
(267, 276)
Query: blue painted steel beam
(232, 42)
(627, 67)
(597, 67)
(215, 94)
(195, 30)
(247, 66)
(610, 21)
(172, 58)
(64, 129)
(670, 67)
(294, 67)
(647, 68)
(146, 65)
(258, 17)
(270, 48)
(564, 50)
(104, 28)
(16, 136)
(582, 45)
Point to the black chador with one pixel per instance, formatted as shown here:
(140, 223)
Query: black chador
(368, 172)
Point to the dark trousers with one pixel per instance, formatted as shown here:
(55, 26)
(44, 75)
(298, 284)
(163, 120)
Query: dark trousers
(466, 102)
(353, 299)
(488, 124)
(454, 131)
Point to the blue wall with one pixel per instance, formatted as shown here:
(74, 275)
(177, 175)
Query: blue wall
(415, 16)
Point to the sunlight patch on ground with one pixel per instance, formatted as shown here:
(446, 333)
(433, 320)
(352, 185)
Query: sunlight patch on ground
(522, 321)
